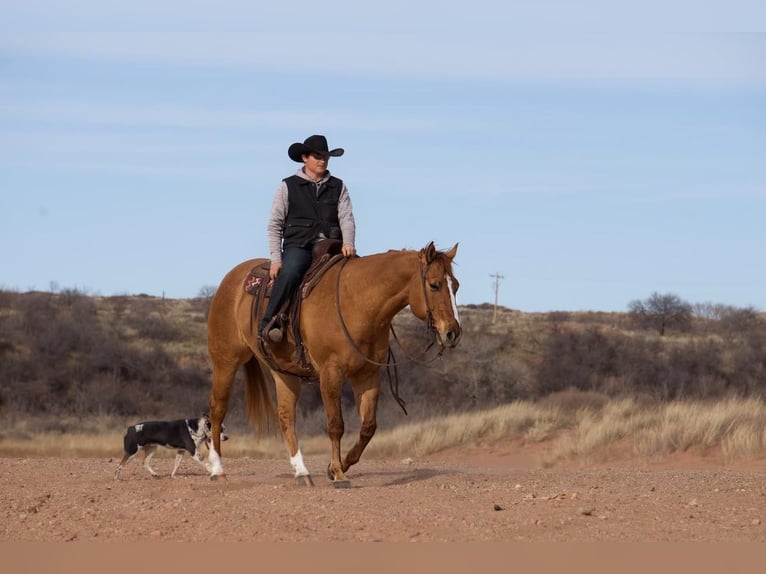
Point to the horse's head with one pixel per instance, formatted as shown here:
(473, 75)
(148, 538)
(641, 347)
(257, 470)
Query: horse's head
(432, 294)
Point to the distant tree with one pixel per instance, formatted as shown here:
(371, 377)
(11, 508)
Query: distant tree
(661, 312)
(736, 319)
(740, 320)
(207, 291)
(708, 311)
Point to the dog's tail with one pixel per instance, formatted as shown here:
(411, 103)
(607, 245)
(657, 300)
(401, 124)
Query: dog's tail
(260, 409)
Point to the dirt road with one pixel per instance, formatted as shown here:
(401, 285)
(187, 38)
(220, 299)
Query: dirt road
(465, 496)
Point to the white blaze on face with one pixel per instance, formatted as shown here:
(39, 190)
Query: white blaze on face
(297, 463)
(452, 298)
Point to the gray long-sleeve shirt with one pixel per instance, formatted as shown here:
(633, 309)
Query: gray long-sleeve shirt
(279, 206)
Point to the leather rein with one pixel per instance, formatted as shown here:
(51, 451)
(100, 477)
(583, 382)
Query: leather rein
(391, 363)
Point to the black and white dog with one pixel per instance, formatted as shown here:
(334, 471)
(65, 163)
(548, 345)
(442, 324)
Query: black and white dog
(184, 435)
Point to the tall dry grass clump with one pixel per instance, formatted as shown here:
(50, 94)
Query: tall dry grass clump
(737, 427)
(521, 420)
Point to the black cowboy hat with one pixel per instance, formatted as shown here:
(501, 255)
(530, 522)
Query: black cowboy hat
(312, 144)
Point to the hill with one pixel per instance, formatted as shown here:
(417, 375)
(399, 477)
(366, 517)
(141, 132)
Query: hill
(70, 355)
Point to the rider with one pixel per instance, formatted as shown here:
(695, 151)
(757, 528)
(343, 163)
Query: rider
(308, 207)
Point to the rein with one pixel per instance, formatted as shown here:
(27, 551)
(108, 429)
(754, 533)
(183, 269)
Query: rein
(393, 381)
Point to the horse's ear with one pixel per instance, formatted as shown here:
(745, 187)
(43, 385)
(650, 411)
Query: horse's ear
(428, 252)
(452, 252)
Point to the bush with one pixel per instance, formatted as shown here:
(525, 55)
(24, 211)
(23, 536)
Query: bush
(69, 353)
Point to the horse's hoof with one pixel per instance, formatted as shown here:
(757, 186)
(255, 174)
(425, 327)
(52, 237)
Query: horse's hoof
(217, 476)
(304, 480)
(337, 483)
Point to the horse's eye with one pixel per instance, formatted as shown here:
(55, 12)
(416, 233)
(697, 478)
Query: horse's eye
(433, 286)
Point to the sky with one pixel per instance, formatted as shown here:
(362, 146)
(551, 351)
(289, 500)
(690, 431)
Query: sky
(582, 155)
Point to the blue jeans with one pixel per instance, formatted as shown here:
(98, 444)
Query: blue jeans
(295, 263)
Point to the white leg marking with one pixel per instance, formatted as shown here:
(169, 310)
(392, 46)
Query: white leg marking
(453, 299)
(216, 468)
(297, 463)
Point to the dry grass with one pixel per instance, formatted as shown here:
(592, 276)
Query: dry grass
(735, 429)
(519, 420)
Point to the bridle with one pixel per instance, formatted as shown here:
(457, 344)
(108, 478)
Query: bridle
(430, 328)
(391, 363)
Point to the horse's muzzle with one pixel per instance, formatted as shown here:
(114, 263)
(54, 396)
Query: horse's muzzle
(450, 338)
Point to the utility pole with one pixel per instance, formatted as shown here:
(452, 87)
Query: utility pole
(497, 278)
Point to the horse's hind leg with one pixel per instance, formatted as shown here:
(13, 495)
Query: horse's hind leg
(366, 393)
(223, 376)
(288, 391)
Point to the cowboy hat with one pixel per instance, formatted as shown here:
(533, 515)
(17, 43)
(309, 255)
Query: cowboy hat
(312, 144)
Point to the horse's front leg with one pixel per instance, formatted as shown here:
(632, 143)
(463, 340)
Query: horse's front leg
(223, 376)
(288, 391)
(366, 393)
(330, 386)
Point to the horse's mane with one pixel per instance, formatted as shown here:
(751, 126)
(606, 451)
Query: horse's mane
(441, 256)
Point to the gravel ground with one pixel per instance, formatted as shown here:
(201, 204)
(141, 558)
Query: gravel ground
(467, 495)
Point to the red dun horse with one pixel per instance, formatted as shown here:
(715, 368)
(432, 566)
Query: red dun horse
(344, 322)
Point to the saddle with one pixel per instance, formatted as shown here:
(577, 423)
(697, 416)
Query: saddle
(325, 254)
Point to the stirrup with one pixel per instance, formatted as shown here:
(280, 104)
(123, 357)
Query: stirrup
(275, 335)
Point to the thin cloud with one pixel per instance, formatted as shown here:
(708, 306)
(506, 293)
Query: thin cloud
(86, 113)
(134, 169)
(717, 59)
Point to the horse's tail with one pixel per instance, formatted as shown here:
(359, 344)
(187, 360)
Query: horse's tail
(260, 409)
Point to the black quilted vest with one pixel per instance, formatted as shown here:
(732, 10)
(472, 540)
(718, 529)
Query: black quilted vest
(309, 212)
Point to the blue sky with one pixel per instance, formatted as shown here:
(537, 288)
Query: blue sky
(140, 145)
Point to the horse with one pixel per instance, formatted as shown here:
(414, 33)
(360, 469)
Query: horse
(344, 323)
